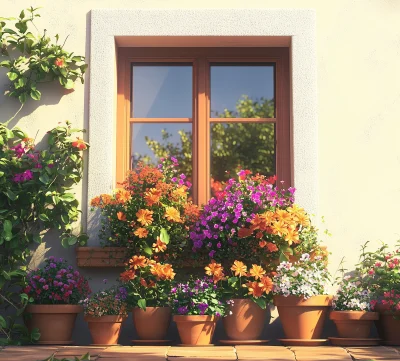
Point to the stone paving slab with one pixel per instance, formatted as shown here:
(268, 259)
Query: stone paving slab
(382, 353)
(316, 353)
(273, 353)
(219, 352)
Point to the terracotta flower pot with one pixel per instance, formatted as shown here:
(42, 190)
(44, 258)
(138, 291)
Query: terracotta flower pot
(105, 330)
(388, 325)
(55, 322)
(246, 321)
(353, 324)
(153, 323)
(303, 318)
(196, 330)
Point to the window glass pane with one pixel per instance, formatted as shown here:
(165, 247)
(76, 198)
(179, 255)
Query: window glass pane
(151, 141)
(236, 146)
(162, 91)
(242, 91)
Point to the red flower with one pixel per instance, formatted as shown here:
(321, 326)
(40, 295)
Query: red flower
(59, 62)
(80, 144)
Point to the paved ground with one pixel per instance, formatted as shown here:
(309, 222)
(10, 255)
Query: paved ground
(220, 353)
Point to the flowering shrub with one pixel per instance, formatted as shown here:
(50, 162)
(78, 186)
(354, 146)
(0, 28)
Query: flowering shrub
(148, 282)
(253, 221)
(381, 275)
(197, 297)
(242, 283)
(150, 212)
(352, 296)
(56, 283)
(108, 302)
(304, 278)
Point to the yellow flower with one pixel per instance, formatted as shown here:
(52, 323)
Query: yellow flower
(279, 228)
(172, 214)
(268, 217)
(239, 268)
(292, 236)
(145, 217)
(257, 271)
(303, 220)
(282, 215)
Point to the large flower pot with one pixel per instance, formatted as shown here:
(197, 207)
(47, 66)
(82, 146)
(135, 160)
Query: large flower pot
(388, 325)
(353, 324)
(196, 330)
(303, 318)
(153, 323)
(55, 322)
(105, 330)
(246, 321)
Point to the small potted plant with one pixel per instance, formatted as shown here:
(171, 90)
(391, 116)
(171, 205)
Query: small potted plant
(352, 311)
(381, 275)
(196, 306)
(56, 290)
(301, 294)
(105, 311)
(248, 292)
(149, 284)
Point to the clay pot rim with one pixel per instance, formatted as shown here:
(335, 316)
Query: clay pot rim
(354, 315)
(106, 319)
(54, 309)
(195, 318)
(300, 301)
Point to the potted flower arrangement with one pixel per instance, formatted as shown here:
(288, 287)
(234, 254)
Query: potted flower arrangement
(352, 312)
(196, 306)
(105, 311)
(251, 220)
(149, 283)
(247, 293)
(56, 290)
(301, 294)
(381, 275)
(152, 207)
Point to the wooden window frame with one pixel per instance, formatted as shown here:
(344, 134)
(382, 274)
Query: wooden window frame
(201, 58)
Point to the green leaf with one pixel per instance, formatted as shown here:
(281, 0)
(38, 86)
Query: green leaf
(44, 217)
(35, 334)
(22, 14)
(6, 275)
(260, 302)
(7, 226)
(148, 250)
(64, 242)
(10, 194)
(283, 257)
(164, 236)
(142, 304)
(72, 240)
(5, 64)
(35, 94)
(69, 84)
(68, 197)
(3, 322)
(22, 98)
(44, 178)
(37, 238)
(12, 76)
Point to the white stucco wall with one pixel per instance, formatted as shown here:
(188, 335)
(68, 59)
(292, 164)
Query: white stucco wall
(358, 101)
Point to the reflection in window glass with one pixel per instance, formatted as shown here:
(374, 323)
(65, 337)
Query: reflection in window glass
(236, 146)
(162, 91)
(242, 91)
(152, 141)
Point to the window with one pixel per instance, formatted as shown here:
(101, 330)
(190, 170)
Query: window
(217, 110)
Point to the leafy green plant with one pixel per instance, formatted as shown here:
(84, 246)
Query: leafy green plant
(32, 59)
(35, 196)
(82, 358)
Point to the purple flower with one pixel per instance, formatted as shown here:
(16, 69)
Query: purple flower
(53, 265)
(173, 290)
(211, 254)
(219, 245)
(217, 314)
(174, 179)
(104, 281)
(45, 287)
(202, 307)
(183, 310)
(182, 176)
(42, 280)
(174, 160)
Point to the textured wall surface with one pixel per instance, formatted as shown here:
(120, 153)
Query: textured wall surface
(357, 150)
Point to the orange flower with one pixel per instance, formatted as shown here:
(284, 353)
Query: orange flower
(213, 268)
(191, 211)
(143, 282)
(272, 247)
(95, 202)
(137, 261)
(279, 228)
(218, 276)
(180, 192)
(292, 236)
(244, 232)
(80, 144)
(239, 268)
(266, 284)
(303, 219)
(59, 62)
(127, 275)
(163, 272)
(255, 288)
(141, 232)
(282, 215)
(257, 271)
(262, 244)
(122, 196)
(121, 216)
(172, 214)
(152, 196)
(145, 217)
(159, 246)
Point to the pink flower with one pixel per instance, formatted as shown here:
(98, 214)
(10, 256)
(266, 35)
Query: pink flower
(378, 264)
(373, 304)
(45, 287)
(371, 272)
